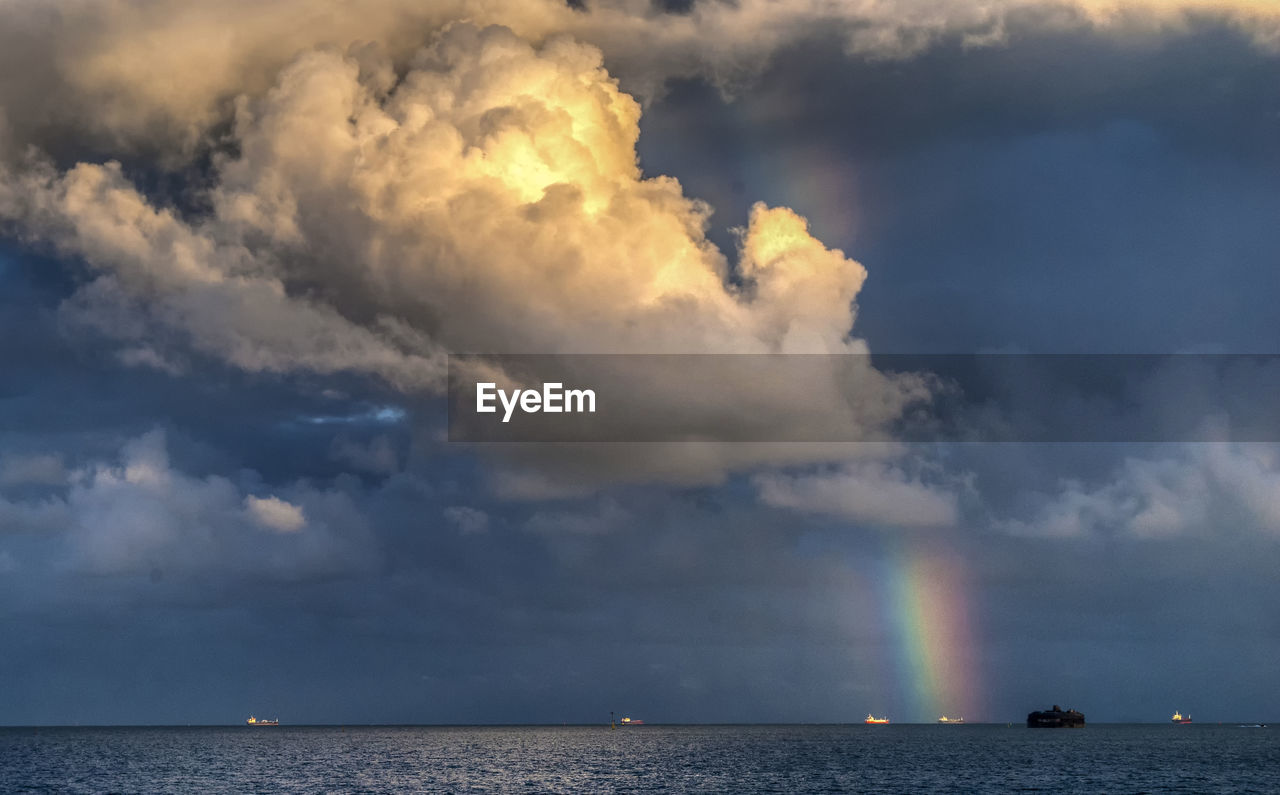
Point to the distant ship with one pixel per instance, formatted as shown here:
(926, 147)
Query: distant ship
(632, 722)
(945, 719)
(1178, 717)
(1056, 718)
(873, 719)
(252, 721)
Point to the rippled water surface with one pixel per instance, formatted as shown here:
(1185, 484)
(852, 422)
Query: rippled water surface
(789, 759)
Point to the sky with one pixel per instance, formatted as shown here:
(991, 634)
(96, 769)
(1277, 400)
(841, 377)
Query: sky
(239, 242)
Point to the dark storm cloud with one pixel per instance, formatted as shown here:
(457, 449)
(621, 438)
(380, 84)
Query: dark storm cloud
(1061, 192)
(1206, 88)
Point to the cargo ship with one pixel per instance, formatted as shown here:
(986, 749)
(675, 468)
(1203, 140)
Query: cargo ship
(1178, 717)
(632, 722)
(1056, 718)
(252, 721)
(945, 719)
(873, 719)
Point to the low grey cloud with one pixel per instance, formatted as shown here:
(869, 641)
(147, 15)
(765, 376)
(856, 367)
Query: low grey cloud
(468, 520)
(40, 469)
(606, 516)
(876, 493)
(137, 514)
(1206, 490)
(377, 456)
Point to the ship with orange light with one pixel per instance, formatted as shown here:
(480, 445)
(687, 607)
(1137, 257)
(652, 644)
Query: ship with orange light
(252, 721)
(1178, 717)
(631, 722)
(873, 719)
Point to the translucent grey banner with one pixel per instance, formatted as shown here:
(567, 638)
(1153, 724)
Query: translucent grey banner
(874, 397)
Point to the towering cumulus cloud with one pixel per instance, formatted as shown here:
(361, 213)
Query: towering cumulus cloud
(488, 198)
(485, 197)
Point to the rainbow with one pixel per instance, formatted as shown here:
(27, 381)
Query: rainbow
(926, 664)
(931, 650)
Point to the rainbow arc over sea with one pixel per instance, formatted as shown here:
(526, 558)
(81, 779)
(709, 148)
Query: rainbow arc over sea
(927, 659)
(926, 665)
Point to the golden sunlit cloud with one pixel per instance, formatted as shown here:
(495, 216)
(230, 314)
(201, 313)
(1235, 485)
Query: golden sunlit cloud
(486, 199)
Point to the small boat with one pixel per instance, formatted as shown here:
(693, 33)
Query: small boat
(252, 721)
(945, 719)
(1178, 717)
(873, 719)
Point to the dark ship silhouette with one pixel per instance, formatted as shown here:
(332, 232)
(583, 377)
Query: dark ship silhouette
(1056, 718)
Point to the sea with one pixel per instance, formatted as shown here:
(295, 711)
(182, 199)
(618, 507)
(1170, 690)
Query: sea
(1198, 758)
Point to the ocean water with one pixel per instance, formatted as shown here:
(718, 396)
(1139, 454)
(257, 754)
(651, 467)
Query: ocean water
(784, 759)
